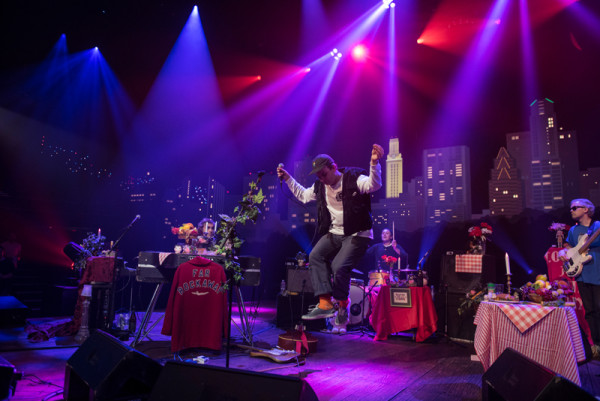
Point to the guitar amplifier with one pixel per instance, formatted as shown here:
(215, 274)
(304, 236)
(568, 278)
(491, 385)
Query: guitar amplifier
(463, 282)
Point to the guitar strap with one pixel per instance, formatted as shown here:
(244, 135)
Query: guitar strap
(303, 343)
(591, 229)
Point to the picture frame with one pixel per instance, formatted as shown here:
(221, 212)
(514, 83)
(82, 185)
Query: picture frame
(400, 297)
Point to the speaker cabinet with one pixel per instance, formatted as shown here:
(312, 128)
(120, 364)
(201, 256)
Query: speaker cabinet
(105, 369)
(514, 377)
(290, 309)
(463, 282)
(186, 381)
(12, 311)
(298, 280)
(8, 379)
(449, 321)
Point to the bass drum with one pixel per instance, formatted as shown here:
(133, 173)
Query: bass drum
(355, 315)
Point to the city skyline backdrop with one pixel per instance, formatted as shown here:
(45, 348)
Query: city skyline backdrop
(111, 90)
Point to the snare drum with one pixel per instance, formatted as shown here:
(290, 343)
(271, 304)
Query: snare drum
(378, 277)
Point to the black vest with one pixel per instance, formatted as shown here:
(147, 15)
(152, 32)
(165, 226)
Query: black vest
(356, 206)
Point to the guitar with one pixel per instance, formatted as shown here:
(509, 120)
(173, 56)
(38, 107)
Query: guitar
(275, 354)
(578, 256)
(299, 340)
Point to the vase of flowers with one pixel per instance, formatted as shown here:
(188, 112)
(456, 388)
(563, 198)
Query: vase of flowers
(478, 237)
(560, 229)
(186, 232)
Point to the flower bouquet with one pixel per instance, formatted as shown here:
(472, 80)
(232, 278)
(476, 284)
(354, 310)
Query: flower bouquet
(186, 232)
(478, 235)
(559, 228)
(389, 260)
(471, 301)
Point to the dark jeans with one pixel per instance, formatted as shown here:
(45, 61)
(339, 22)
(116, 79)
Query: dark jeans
(590, 296)
(337, 255)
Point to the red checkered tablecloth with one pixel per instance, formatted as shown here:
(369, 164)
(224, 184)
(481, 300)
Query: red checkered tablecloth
(554, 341)
(468, 263)
(525, 316)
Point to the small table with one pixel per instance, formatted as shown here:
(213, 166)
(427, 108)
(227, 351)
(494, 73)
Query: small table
(548, 335)
(387, 319)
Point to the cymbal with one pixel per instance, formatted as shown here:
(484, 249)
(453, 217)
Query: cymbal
(408, 270)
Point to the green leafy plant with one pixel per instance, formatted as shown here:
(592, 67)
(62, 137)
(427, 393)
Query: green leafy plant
(94, 244)
(230, 243)
(470, 302)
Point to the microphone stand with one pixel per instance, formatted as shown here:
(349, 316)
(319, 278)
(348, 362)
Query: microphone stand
(121, 237)
(111, 296)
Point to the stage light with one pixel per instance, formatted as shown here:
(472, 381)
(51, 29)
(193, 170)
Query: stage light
(335, 54)
(387, 3)
(258, 77)
(392, 5)
(307, 69)
(359, 53)
(420, 41)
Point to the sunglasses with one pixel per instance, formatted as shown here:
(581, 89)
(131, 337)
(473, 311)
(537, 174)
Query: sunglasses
(573, 208)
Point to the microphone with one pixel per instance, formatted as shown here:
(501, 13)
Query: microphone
(137, 217)
(280, 165)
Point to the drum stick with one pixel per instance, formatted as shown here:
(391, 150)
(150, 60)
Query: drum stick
(393, 230)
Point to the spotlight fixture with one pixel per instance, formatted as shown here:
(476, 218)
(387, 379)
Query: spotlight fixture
(389, 3)
(359, 53)
(335, 54)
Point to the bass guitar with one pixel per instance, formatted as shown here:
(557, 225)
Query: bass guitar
(578, 256)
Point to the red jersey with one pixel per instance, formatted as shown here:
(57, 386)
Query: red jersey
(196, 315)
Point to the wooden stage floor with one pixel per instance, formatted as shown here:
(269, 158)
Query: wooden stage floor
(345, 367)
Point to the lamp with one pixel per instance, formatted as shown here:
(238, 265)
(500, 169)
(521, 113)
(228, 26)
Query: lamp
(84, 331)
(74, 251)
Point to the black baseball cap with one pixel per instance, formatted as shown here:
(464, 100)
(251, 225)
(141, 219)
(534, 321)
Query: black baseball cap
(321, 161)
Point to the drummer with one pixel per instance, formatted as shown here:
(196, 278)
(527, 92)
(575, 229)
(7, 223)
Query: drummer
(388, 247)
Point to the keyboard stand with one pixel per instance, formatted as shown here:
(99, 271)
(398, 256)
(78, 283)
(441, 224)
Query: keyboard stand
(244, 327)
(141, 334)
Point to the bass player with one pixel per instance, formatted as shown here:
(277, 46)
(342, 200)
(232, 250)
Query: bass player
(588, 282)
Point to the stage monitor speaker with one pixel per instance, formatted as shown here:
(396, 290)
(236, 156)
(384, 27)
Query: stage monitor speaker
(463, 282)
(8, 379)
(105, 369)
(298, 280)
(514, 377)
(187, 381)
(12, 311)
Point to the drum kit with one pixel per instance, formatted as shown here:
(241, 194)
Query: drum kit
(362, 297)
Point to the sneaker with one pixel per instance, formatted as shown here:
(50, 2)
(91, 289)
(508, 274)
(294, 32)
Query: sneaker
(341, 318)
(595, 351)
(318, 313)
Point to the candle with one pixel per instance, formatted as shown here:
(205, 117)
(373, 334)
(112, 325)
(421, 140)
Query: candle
(507, 262)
